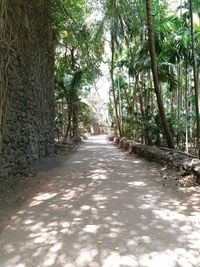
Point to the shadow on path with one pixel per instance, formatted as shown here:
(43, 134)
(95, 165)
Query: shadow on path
(104, 209)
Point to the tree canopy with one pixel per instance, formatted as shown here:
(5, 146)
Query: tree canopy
(152, 52)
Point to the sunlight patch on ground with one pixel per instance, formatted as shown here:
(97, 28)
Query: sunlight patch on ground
(91, 228)
(45, 196)
(137, 161)
(38, 199)
(166, 214)
(52, 254)
(99, 171)
(137, 183)
(170, 258)
(115, 260)
(86, 257)
(99, 197)
(99, 177)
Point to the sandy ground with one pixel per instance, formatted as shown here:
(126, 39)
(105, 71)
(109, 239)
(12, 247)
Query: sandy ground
(101, 208)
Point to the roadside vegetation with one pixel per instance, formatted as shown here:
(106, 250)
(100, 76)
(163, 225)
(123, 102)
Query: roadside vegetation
(153, 61)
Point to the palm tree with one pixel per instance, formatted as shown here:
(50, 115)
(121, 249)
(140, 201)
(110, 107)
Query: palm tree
(117, 118)
(194, 65)
(154, 68)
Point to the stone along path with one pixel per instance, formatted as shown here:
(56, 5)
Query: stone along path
(105, 209)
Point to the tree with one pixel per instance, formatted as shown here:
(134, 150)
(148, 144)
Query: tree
(113, 85)
(78, 54)
(194, 65)
(154, 67)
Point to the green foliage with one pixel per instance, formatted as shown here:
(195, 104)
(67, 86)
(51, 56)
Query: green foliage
(79, 48)
(78, 53)
(133, 81)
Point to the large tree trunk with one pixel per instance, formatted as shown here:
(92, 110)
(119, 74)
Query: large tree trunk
(154, 68)
(195, 77)
(26, 84)
(117, 119)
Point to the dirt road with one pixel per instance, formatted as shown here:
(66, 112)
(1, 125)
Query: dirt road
(105, 209)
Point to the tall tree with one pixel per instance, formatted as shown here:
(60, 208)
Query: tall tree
(154, 68)
(194, 65)
(78, 56)
(113, 84)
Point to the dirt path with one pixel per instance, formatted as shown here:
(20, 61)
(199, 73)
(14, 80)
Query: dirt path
(105, 209)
